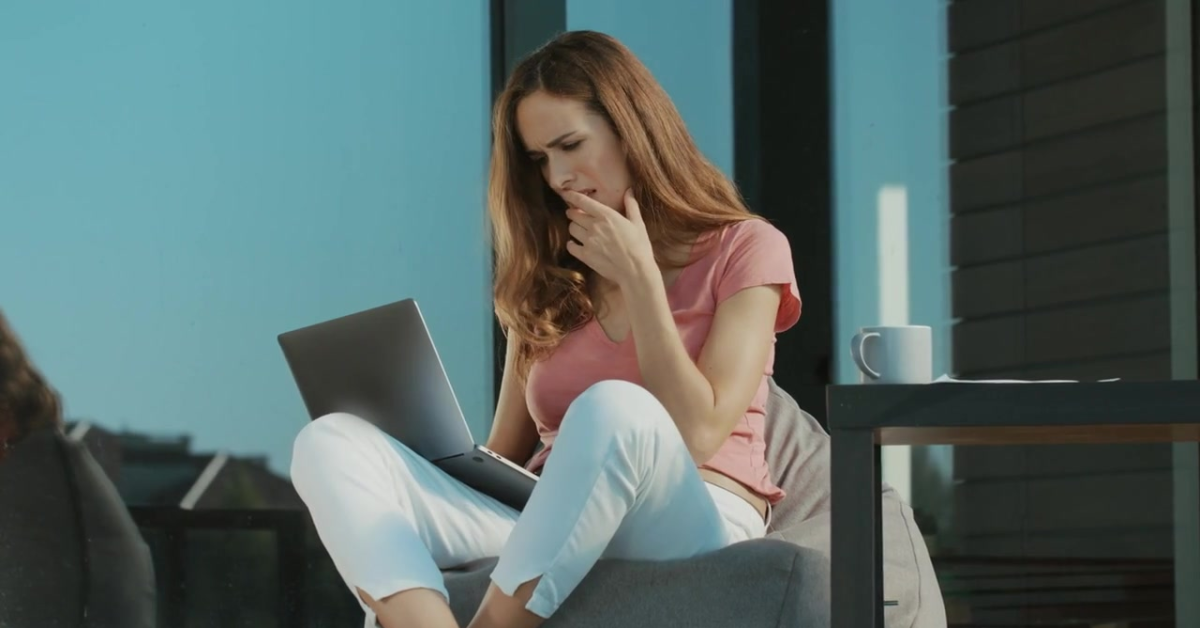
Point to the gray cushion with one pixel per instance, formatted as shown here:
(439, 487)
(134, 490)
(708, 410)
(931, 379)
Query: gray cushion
(64, 528)
(779, 581)
(798, 454)
(756, 583)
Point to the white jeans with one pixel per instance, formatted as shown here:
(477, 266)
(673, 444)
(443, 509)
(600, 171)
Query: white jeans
(620, 483)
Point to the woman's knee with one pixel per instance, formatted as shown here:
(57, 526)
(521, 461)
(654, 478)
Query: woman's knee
(325, 438)
(618, 406)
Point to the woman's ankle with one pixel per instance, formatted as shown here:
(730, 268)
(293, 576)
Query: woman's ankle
(412, 608)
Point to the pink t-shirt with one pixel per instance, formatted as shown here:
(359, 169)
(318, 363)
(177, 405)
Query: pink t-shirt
(748, 253)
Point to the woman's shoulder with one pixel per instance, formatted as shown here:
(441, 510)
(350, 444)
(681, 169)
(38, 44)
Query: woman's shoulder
(752, 232)
(754, 227)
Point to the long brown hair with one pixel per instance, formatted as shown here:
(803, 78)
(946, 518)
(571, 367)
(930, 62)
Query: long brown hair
(541, 291)
(27, 402)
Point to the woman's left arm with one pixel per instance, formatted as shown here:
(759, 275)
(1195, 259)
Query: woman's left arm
(705, 398)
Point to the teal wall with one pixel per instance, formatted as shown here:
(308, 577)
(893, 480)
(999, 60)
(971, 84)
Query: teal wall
(687, 46)
(891, 207)
(889, 133)
(180, 182)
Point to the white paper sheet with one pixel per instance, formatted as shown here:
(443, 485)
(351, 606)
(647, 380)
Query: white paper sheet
(946, 379)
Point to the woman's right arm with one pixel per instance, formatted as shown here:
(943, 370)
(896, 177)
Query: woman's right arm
(514, 434)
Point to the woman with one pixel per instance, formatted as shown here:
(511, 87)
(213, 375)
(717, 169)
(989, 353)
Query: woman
(640, 299)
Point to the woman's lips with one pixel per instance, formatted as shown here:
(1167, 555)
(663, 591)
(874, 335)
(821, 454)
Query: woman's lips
(588, 193)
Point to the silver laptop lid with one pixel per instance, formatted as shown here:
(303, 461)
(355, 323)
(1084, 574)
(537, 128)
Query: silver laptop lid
(380, 364)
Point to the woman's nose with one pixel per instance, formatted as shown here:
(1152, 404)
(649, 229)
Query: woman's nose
(559, 174)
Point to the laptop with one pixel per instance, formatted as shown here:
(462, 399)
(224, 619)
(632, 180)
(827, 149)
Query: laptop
(381, 365)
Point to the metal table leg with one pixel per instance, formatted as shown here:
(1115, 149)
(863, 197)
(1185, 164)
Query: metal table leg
(857, 525)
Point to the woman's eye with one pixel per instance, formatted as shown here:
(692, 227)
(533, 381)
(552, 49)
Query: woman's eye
(572, 146)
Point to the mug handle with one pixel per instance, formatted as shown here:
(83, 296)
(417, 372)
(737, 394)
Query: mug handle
(856, 351)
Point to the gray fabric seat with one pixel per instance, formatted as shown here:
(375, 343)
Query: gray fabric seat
(756, 583)
(782, 580)
(70, 554)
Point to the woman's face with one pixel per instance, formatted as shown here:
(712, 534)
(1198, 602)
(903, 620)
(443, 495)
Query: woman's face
(575, 148)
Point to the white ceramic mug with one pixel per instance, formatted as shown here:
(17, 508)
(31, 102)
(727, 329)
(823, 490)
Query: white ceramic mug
(893, 355)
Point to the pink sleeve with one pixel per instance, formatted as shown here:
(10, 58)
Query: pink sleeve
(758, 254)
